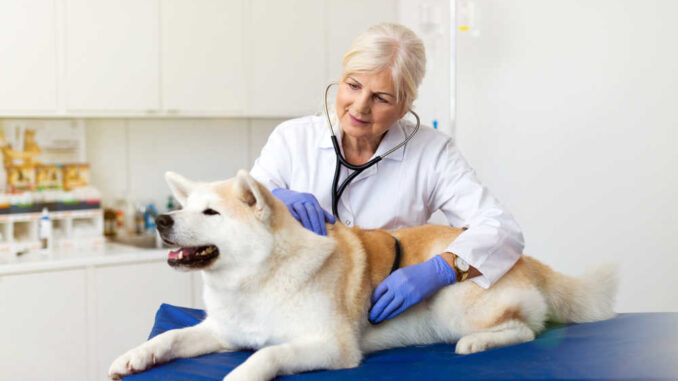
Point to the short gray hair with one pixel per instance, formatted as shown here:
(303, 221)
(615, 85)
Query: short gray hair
(389, 46)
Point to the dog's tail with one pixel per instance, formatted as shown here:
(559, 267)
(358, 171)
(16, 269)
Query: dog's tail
(586, 298)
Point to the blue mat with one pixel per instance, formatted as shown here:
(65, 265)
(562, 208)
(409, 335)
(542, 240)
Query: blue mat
(638, 346)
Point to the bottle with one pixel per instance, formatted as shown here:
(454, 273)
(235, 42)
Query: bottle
(129, 216)
(139, 220)
(170, 204)
(45, 233)
(150, 213)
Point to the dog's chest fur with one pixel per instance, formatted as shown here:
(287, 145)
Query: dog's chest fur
(269, 315)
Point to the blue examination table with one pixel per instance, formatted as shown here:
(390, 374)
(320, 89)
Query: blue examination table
(634, 346)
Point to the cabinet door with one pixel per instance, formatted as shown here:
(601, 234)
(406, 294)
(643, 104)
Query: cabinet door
(27, 57)
(286, 57)
(202, 56)
(112, 54)
(347, 19)
(43, 326)
(128, 297)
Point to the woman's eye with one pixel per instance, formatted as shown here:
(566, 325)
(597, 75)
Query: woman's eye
(209, 212)
(382, 100)
(352, 85)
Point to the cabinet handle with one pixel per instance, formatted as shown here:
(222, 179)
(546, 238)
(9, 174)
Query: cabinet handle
(173, 111)
(150, 111)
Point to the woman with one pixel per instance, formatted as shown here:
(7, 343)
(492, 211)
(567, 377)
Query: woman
(380, 76)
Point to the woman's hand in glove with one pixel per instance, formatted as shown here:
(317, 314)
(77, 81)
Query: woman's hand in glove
(306, 209)
(408, 286)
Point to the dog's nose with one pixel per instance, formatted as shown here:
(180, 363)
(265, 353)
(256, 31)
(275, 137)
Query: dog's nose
(164, 221)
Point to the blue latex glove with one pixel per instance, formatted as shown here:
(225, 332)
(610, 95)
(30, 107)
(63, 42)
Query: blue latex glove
(408, 286)
(306, 209)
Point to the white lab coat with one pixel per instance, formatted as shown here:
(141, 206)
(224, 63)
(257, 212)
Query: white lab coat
(402, 190)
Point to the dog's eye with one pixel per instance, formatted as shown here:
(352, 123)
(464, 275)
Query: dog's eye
(210, 212)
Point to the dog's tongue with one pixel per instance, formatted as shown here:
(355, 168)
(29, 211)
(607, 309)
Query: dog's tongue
(185, 252)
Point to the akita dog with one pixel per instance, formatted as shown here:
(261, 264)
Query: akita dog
(302, 300)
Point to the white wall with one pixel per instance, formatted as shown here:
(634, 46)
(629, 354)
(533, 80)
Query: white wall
(430, 20)
(129, 157)
(566, 109)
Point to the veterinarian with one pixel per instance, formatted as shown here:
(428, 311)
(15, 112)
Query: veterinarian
(380, 75)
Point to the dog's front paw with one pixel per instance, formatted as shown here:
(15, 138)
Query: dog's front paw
(471, 344)
(134, 361)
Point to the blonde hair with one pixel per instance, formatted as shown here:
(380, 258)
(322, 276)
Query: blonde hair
(389, 46)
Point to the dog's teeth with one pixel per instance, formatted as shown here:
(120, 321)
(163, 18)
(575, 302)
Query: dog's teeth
(209, 250)
(181, 255)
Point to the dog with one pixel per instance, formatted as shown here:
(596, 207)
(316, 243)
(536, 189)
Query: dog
(301, 300)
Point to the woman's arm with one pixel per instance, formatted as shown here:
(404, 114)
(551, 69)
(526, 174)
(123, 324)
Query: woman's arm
(273, 166)
(493, 241)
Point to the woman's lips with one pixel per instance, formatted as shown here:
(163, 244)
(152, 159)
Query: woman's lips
(356, 120)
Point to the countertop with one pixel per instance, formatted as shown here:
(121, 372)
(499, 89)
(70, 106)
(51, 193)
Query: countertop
(111, 254)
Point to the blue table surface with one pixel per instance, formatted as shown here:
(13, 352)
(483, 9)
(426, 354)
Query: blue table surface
(632, 346)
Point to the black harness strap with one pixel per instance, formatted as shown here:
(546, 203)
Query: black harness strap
(398, 255)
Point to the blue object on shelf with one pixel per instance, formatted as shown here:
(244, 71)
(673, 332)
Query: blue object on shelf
(639, 346)
(149, 218)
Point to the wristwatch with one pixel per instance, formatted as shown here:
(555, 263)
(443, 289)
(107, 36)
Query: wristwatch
(462, 268)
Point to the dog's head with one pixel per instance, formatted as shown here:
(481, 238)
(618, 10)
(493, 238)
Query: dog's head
(220, 222)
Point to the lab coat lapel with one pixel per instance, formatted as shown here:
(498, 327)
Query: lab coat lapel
(394, 136)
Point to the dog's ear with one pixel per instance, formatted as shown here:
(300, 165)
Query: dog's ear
(180, 186)
(255, 195)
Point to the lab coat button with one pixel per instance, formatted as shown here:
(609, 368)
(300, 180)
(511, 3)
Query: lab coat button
(348, 222)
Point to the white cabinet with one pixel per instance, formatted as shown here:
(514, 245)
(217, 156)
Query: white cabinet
(127, 300)
(111, 55)
(286, 57)
(70, 318)
(27, 57)
(43, 326)
(226, 58)
(202, 60)
(347, 19)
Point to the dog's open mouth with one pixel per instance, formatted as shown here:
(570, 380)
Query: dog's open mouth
(193, 257)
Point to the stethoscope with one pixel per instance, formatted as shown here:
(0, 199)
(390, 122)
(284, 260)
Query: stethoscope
(357, 169)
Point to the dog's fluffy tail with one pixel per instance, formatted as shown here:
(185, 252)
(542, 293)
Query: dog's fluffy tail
(586, 298)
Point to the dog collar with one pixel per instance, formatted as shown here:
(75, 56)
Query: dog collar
(398, 255)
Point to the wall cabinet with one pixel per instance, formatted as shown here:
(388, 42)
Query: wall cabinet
(202, 57)
(28, 57)
(287, 57)
(231, 58)
(111, 55)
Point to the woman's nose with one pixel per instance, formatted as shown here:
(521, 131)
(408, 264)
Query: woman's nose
(362, 104)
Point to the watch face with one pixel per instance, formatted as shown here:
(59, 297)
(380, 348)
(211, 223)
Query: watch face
(461, 264)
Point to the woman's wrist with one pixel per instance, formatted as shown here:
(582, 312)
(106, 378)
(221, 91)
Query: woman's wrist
(449, 259)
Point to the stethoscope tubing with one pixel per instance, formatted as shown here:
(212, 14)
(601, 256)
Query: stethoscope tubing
(357, 169)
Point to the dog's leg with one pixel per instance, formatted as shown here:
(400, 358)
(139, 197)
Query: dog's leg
(300, 355)
(508, 333)
(185, 342)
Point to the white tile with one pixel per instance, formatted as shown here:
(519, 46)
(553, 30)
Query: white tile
(106, 147)
(204, 150)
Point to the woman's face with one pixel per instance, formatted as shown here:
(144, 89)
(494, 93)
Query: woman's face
(366, 105)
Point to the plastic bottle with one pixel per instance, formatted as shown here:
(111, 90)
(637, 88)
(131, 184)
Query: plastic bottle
(45, 233)
(170, 204)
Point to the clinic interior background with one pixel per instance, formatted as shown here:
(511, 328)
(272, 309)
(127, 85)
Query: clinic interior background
(566, 110)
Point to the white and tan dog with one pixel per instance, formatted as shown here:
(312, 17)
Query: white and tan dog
(302, 299)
